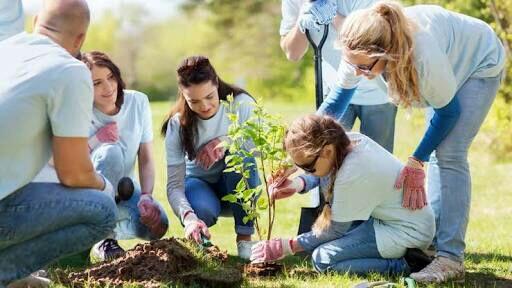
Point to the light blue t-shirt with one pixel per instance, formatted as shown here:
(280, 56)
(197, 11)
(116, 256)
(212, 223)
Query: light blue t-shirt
(449, 49)
(134, 124)
(44, 92)
(11, 18)
(207, 130)
(368, 92)
(364, 188)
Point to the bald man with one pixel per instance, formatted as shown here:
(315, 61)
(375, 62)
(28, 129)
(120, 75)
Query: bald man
(46, 100)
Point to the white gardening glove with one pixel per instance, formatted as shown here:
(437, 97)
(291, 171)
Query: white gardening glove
(194, 227)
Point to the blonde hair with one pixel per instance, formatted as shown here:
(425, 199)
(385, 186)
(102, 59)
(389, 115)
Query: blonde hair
(309, 135)
(384, 31)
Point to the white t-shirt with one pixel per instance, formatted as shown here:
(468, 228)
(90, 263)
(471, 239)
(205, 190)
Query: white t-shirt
(364, 188)
(368, 92)
(44, 92)
(207, 130)
(449, 49)
(135, 128)
(11, 18)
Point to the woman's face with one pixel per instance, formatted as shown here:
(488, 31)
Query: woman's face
(319, 165)
(369, 67)
(105, 88)
(202, 98)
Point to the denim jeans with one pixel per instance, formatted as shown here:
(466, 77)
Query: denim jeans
(449, 179)
(42, 222)
(108, 160)
(356, 252)
(377, 122)
(205, 198)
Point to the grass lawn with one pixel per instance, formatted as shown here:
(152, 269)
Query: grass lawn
(489, 248)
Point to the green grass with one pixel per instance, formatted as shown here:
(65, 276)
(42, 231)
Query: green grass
(489, 250)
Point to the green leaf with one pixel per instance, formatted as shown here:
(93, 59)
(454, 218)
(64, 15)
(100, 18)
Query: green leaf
(230, 198)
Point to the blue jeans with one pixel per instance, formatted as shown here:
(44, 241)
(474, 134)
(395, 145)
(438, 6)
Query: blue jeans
(449, 179)
(108, 160)
(377, 122)
(42, 222)
(205, 198)
(356, 252)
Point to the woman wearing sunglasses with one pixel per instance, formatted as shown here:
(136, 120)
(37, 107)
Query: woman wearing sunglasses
(426, 56)
(363, 227)
(193, 130)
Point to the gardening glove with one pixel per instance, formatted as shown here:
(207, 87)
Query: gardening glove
(317, 13)
(195, 227)
(212, 152)
(286, 188)
(106, 134)
(412, 180)
(150, 215)
(271, 250)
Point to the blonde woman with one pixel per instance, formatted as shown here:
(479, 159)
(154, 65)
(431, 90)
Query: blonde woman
(426, 56)
(363, 228)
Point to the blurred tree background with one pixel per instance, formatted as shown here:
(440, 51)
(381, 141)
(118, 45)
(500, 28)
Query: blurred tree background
(242, 40)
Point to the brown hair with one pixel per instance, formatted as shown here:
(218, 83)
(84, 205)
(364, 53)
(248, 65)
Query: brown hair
(384, 31)
(100, 59)
(309, 135)
(192, 71)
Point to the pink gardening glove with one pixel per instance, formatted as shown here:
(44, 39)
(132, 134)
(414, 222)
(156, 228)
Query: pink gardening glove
(106, 134)
(195, 227)
(210, 154)
(150, 215)
(412, 179)
(271, 250)
(286, 188)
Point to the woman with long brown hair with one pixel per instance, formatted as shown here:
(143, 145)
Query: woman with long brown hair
(193, 130)
(427, 56)
(363, 227)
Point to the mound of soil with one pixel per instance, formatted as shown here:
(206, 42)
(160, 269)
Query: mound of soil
(262, 269)
(153, 263)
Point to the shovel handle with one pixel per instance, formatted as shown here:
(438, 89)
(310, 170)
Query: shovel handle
(317, 57)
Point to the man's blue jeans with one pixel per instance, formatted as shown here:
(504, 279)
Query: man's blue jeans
(108, 160)
(205, 198)
(377, 122)
(449, 179)
(42, 222)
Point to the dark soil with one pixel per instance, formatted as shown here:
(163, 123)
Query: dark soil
(151, 264)
(263, 269)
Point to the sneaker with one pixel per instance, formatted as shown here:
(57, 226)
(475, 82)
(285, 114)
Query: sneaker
(31, 281)
(442, 269)
(107, 249)
(417, 259)
(245, 249)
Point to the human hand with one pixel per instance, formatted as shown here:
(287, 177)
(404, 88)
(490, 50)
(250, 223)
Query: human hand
(270, 250)
(194, 228)
(316, 13)
(106, 134)
(212, 152)
(412, 180)
(150, 215)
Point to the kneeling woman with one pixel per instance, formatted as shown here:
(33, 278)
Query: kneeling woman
(195, 127)
(363, 227)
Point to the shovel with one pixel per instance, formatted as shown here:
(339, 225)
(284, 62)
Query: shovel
(308, 215)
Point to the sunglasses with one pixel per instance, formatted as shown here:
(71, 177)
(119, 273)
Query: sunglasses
(309, 168)
(365, 69)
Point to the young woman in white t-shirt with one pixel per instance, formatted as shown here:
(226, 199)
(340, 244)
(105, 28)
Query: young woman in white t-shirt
(363, 227)
(193, 130)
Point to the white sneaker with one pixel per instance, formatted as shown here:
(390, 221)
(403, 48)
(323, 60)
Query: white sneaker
(442, 269)
(245, 249)
(30, 282)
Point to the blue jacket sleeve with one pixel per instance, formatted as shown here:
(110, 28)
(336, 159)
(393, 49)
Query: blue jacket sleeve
(441, 124)
(336, 103)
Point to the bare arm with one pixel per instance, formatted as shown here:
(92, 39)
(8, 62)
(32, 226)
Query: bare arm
(73, 164)
(146, 168)
(294, 44)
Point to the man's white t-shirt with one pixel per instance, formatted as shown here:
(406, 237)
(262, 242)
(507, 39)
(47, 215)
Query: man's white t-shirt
(11, 18)
(44, 92)
(368, 92)
(364, 188)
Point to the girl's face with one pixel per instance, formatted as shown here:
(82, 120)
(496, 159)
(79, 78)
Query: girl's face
(202, 98)
(105, 89)
(319, 165)
(369, 67)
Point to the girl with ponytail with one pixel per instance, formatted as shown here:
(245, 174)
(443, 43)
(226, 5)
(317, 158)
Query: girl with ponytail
(426, 56)
(363, 227)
